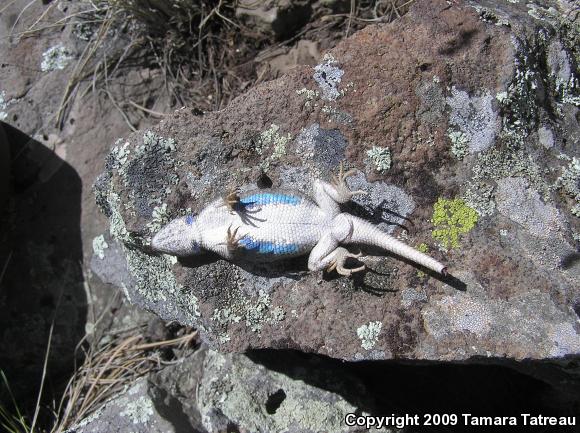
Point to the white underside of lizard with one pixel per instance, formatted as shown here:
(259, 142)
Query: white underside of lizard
(267, 225)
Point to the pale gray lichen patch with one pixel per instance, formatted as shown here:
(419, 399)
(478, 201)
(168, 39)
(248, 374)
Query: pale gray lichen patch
(369, 334)
(152, 278)
(99, 246)
(569, 183)
(254, 311)
(120, 154)
(54, 58)
(523, 205)
(309, 97)
(3, 105)
(480, 196)
(117, 227)
(546, 137)
(492, 16)
(273, 141)
(382, 199)
(298, 178)
(328, 76)
(559, 62)
(273, 137)
(465, 314)
(566, 84)
(411, 295)
(139, 411)
(459, 143)
(321, 148)
(566, 339)
(336, 115)
(510, 160)
(474, 117)
(380, 158)
(88, 420)
(237, 389)
(159, 217)
(524, 325)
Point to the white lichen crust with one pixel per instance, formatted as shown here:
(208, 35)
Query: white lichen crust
(55, 58)
(369, 334)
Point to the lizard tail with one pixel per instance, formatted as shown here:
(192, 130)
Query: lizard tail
(365, 233)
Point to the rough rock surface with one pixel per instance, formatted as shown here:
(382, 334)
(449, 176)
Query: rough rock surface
(462, 120)
(143, 408)
(211, 392)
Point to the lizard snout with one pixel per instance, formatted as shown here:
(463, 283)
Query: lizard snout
(178, 238)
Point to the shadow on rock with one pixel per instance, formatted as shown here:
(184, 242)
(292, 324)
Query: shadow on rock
(293, 268)
(41, 276)
(392, 387)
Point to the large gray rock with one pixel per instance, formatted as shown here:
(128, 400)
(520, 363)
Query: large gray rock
(210, 392)
(143, 408)
(462, 122)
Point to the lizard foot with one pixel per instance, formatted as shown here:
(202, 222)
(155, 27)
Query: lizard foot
(232, 241)
(232, 200)
(340, 256)
(339, 182)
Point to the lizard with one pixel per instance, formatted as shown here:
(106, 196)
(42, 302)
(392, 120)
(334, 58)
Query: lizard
(273, 224)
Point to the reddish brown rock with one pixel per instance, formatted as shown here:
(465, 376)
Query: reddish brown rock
(457, 93)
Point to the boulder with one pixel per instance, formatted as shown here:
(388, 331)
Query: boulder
(142, 408)
(461, 120)
(211, 392)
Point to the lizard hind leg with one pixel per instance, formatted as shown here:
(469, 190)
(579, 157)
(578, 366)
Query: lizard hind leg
(328, 255)
(340, 255)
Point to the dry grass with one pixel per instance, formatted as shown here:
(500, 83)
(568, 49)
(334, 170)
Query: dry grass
(205, 54)
(11, 418)
(107, 370)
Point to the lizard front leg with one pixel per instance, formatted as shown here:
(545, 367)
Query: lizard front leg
(232, 200)
(228, 247)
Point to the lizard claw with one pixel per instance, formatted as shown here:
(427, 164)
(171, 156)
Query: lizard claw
(339, 259)
(339, 182)
(232, 241)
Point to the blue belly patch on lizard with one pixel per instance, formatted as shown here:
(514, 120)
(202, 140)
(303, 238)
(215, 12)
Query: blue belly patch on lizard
(265, 247)
(266, 198)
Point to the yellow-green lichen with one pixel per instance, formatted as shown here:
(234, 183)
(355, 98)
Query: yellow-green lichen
(452, 218)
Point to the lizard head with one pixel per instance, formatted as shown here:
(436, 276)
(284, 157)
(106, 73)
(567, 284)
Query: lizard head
(180, 237)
